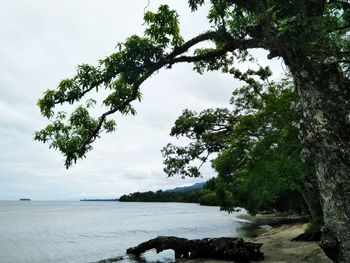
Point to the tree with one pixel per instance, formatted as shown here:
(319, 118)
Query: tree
(311, 36)
(259, 164)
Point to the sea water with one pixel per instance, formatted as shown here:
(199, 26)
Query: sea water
(46, 231)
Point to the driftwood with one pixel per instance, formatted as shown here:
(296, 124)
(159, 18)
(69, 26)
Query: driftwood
(216, 248)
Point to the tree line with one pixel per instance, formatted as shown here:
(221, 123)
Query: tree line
(200, 196)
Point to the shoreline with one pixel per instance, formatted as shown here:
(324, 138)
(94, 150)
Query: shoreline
(278, 248)
(276, 238)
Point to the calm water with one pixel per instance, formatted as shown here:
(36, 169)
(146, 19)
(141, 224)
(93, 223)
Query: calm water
(91, 231)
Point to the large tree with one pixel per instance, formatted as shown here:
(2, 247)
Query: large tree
(258, 162)
(311, 36)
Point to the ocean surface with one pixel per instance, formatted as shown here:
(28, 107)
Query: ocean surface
(36, 232)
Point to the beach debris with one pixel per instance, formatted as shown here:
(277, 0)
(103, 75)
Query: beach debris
(225, 248)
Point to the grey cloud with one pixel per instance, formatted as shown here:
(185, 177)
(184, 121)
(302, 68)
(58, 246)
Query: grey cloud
(42, 43)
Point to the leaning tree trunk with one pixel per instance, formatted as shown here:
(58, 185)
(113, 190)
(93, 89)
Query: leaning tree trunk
(311, 196)
(324, 95)
(309, 190)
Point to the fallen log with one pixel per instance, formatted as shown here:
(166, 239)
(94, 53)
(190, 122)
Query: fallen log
(225, 248)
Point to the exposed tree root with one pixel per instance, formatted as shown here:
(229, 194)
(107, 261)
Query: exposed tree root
(309, 235)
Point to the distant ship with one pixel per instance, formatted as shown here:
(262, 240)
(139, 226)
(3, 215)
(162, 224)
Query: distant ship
(24, 199)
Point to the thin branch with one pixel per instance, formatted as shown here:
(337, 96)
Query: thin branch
(145, 8)
(204, 161)
(242, 161)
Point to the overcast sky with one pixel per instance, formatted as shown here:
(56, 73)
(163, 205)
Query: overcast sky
(42, 42)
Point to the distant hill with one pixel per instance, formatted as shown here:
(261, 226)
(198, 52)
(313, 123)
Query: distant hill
(195, 186)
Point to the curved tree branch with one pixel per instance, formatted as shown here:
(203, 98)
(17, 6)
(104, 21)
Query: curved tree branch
(170, 60)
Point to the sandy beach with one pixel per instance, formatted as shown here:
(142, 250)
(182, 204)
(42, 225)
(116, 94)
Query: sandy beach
(278, 248)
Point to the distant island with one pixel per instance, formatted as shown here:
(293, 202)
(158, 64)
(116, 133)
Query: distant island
(195, 186)
(99, 200)
(25, 199)
(197, 193)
